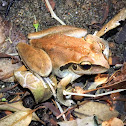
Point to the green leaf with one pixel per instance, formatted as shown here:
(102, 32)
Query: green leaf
(3, 99)
(36, 25)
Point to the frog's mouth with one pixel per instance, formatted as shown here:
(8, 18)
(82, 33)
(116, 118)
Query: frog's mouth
(86, 68)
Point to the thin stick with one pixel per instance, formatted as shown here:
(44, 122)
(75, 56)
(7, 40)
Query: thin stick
(13, 54)
(52, 13)
(61, 110)
(90, 95)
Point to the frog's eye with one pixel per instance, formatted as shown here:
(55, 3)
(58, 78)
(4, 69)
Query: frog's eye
(85, 65)
(74, 66)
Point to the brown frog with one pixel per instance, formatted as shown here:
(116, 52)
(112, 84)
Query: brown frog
(66, 52)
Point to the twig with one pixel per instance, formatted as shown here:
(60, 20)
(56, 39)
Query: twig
(54, 94)
(13, 54)
(52, 13)
(61, 110)
(4, 55)
(7, 89)
(90, 95)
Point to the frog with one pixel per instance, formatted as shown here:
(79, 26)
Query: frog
(65, 51)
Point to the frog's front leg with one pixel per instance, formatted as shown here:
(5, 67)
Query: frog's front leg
(62, 85)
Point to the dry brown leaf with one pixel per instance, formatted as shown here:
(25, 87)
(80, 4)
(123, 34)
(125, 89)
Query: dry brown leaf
(17, 106)
(7, 69)
(52, 108)
(102, 111)
(118, 79)
(87, 121)
(114, 22)
(113, 122)
(19, 118)
(9, 37)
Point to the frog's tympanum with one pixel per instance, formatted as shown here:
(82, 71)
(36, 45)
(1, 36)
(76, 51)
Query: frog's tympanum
(65, 51)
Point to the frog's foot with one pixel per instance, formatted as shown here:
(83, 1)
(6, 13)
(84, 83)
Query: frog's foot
(60, 98)
(61, 86)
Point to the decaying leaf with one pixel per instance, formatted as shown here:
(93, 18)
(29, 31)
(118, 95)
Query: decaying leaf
(102, 111)
(7, 68)
(54, 110)
(98, 80)
(35, 85)
(17, 106)
(9, 37)
(113, 122)
(86, 121)
(19, 109)
(121, 35)
(118, 79)
(114, 22)
(20, 118)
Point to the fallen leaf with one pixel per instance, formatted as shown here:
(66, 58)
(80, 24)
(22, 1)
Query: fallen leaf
(86, 121)
(49, 105)
(18, 107)
(35, 85)
(118, 79)
(7, 69)
(114, 22)
(20, 118)
(9, 37)
(121, 35)
(113, 122)
(102, 111)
